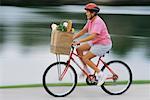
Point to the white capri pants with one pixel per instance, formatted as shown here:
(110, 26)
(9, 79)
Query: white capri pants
(99, 49)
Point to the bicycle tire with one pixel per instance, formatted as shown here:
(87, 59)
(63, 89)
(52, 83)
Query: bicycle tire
(128, 70)
(47, 85)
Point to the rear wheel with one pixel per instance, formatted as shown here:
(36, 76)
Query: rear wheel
(119, 83)
(53, 83)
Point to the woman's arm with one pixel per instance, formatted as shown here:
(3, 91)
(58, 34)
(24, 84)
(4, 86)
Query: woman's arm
(82, 32)
(90, 37)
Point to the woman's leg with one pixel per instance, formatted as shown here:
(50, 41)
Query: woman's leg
(87, 60)
(100, 75)
(81, 49)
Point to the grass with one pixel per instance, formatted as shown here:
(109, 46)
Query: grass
(79, 84)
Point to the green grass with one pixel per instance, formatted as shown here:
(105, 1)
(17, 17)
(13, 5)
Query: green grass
(67, 84)
(22, 86)
(141, 82)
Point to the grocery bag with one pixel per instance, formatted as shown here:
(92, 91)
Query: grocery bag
(61, 42)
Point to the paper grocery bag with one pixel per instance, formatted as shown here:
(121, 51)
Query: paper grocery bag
(61, 42)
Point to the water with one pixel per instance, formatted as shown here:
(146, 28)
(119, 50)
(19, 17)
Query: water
(25, 39)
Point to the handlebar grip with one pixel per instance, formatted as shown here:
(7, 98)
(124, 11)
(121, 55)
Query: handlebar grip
(76, 41)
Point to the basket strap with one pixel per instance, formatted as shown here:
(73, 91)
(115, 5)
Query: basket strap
(58, 57)
(58, 65)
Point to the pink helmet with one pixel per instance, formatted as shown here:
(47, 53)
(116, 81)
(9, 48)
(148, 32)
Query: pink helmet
(92, 7)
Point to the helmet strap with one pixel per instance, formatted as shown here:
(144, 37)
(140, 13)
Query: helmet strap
(93, 16)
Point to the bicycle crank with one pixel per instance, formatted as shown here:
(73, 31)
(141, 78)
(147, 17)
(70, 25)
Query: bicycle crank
(91, 80)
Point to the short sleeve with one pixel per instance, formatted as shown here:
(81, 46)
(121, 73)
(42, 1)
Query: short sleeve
(97, 28)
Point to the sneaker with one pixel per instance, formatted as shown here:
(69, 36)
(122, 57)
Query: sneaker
(101, 78)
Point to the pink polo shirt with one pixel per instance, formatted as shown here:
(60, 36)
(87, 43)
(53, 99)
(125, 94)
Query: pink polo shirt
(98, 26)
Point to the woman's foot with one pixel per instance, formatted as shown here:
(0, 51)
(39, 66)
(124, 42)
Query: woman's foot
(101, 78)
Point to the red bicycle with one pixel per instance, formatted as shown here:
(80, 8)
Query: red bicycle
(60, 78)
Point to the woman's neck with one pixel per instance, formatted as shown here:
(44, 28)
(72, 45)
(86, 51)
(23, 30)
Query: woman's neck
(93, 18)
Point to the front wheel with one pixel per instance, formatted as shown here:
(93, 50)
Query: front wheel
(119, 82)
(59, 79)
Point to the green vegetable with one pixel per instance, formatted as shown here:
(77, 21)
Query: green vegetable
(62, 28)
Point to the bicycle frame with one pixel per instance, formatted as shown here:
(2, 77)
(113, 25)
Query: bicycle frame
(115, 76)
(60, 78)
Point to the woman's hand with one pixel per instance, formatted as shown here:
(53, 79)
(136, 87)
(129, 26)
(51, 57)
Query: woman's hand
(74, 43)
(74, 36)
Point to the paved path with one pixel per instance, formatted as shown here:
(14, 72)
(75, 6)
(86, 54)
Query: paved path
(136, 92)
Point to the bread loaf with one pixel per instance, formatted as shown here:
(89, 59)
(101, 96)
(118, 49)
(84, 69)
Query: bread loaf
(69, 26)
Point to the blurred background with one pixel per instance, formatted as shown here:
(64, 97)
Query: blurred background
(25, 35)
(72, 2)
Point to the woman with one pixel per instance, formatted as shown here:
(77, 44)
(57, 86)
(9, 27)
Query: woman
(98, 41)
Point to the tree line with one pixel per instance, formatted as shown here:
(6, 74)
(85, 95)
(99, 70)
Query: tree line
(71, 2)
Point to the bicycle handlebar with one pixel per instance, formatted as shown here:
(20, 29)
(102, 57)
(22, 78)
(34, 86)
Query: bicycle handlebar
(72, 46)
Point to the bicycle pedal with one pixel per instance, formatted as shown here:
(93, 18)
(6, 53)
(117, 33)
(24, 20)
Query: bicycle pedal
(91, 80)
